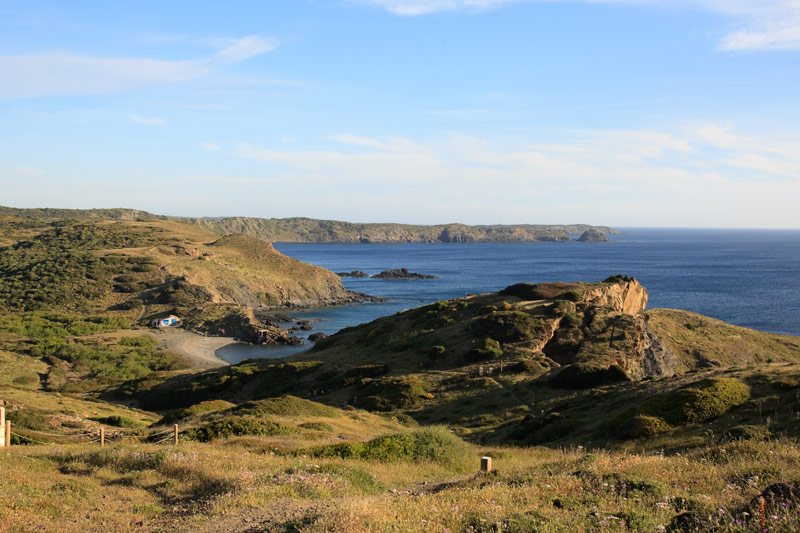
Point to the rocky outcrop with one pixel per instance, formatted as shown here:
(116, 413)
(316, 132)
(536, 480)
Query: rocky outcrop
(353, 274)
(402, 273)
(623, 295)
(657, 360)
(593, 235)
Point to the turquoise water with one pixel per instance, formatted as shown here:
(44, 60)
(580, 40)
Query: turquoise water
(750, 278)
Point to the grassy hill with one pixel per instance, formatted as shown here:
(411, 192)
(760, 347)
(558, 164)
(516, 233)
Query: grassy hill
(598, 414)
(141, 269)
(536, 364)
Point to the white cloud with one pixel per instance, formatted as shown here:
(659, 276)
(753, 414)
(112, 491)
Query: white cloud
(63, 73)
(211, 147)
(693, 175)
(423, 7)
(147, 121)
(762, 24)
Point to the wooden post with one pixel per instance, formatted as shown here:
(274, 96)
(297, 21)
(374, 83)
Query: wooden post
(102, 437)
(486, 464)
(3, 431)
(176, 434)
(8, 432)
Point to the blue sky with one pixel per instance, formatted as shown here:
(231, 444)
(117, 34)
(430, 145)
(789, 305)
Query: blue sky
(627, 112)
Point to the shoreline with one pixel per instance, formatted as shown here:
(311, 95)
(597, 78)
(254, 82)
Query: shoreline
(198, 350)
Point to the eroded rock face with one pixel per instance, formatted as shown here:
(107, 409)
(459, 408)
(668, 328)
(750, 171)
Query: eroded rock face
(627, 297)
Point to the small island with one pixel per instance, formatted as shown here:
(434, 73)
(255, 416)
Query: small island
(353, 274)
(592, 235)
(402, 273)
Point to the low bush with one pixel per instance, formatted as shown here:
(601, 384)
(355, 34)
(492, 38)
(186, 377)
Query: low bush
(586, 376)
(748, 432)
(387, 394)
(119, 421)
(506, 326)
(488, 348)
(236, 427)
(570, 296)
(698, 402)
(643, 426)
(317, 426)
(435, 444)
(288, 406)
(197, 409)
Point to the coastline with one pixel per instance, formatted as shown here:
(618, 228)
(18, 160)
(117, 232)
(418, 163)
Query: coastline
(198, 350)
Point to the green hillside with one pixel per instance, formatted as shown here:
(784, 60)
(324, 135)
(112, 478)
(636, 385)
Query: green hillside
(597, 413)
(142, 269)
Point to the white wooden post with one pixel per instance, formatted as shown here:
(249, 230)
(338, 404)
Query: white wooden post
(102, 437)
(486, 464)
(176, 434)
(3, 436)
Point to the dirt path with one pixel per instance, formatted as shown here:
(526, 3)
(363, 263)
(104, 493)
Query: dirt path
(197, 349)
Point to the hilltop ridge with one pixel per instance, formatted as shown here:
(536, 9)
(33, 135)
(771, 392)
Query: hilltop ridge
(328, 231)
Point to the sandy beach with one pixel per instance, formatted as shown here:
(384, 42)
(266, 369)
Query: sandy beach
(197, 349)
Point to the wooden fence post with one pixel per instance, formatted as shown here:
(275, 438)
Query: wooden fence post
(486, 464)
(4, 437)
(8, 432)
(102, 437)
(176, 434)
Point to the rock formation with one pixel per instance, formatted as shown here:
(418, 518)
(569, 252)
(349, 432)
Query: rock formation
(402, 273)
(593, 235)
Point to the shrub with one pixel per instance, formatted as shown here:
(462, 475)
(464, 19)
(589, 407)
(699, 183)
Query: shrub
(506, 326)
(526, 365)
(140, 341)
(286, 405)
(194, 410)
(437, 352)
(236, 427)
(643, 426)
(618, 278)
(748, 432)
(317, 426)
(698, 402)
(488, 348)
(571, 320)
(586, 376)
(436, 444)
(119, 421)
(539, 291)
(387, 394)
(570, 296)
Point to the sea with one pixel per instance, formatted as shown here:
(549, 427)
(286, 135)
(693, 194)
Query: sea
(750, 278)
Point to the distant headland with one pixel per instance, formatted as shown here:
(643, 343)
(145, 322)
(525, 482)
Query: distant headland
(309, 230)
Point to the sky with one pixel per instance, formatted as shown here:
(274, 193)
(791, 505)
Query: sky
(660, 113)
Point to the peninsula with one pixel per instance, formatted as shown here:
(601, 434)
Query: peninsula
(332, 231)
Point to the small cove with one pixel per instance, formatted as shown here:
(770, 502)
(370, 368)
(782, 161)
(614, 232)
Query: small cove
(750, 278)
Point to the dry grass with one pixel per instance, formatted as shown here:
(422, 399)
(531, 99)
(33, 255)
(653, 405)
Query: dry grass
(146, 487)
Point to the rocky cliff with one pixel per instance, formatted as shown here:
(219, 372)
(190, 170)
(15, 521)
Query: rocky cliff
(316, 231)
(311, 230)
